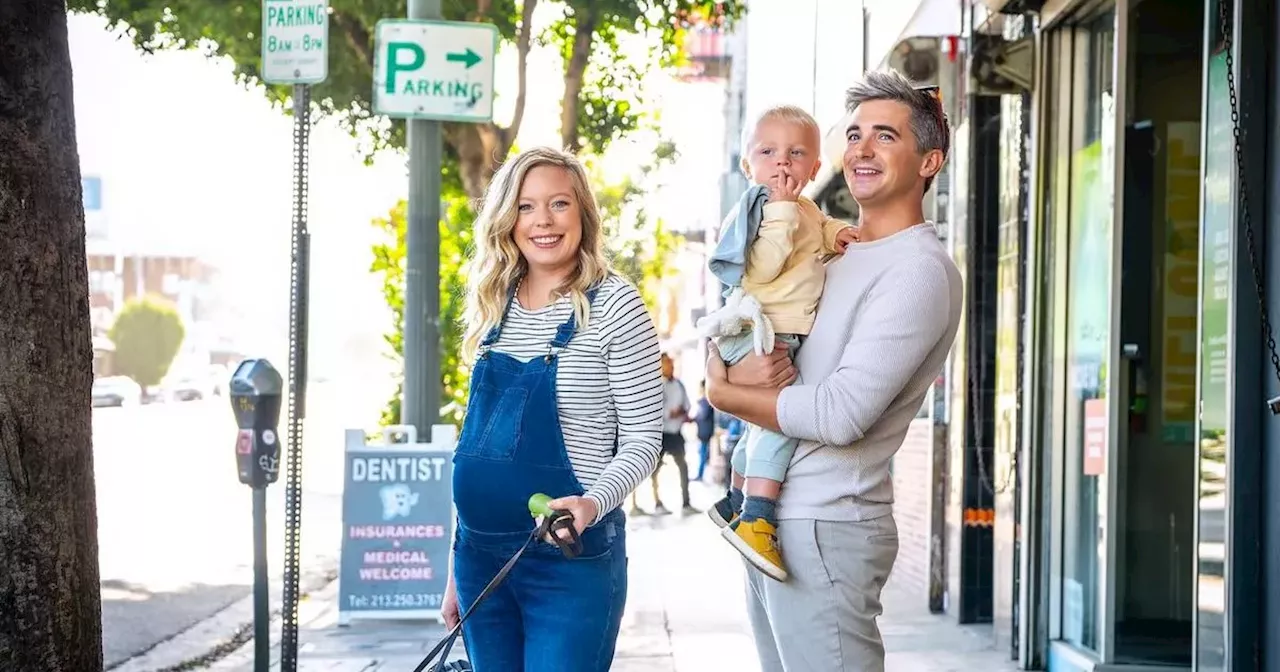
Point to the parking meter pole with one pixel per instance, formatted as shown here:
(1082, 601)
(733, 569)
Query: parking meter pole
(421, 399)
(256, 389)
(261, 593)
(299, 303)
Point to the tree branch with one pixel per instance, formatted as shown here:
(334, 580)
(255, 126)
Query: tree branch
(574, 76)
(356, 36)
(523, 42)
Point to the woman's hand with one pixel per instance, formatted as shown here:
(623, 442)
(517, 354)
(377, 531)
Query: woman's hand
(772, 370)
(583, 509)
(449, 607)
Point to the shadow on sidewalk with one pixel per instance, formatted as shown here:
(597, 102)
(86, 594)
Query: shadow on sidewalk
(686, 611)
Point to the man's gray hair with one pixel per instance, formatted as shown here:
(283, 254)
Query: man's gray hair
(928, 119)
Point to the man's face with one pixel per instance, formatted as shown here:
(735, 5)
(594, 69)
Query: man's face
(668, 367)
(882, 161)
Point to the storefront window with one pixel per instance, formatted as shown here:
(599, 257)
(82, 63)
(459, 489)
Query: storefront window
(1092, 170)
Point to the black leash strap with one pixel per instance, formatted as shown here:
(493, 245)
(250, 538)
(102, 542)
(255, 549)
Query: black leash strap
(570, 547)
(442, 649)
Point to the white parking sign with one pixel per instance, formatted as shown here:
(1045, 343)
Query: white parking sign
(295, 41)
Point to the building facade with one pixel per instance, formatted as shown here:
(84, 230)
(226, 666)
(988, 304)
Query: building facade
(1099, 453)
(1109, 389)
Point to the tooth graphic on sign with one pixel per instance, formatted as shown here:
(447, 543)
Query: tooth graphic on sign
(397, 501)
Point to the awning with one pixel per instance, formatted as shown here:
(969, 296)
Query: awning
(932, 18)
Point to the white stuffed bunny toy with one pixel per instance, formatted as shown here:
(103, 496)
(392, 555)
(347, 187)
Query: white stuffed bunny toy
(740, 311)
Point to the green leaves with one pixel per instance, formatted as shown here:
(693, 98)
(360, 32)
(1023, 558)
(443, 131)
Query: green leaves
(219, 28)
(610, 95)
(389, 262)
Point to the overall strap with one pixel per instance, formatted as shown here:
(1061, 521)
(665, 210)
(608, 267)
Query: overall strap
(565, 332)
(496, 331)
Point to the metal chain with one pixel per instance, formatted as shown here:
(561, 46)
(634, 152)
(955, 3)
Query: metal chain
(297, 378)
(1242, 185)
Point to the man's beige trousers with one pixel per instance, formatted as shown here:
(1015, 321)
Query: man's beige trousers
(823, 618)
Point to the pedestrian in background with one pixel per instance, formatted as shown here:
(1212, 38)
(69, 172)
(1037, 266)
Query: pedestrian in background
(566, 399)
(733, 428)
(705, 418)
(676, 414)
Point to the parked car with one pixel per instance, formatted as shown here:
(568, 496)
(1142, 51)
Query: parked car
(188, 386)
(116, 391)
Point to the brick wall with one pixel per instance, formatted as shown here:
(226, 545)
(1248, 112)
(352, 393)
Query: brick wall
(912, 467)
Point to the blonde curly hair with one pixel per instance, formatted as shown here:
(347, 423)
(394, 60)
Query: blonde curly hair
(496, 263)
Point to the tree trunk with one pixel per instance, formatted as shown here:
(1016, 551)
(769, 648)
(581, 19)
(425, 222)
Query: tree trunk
(575, 77)
(50, 599)
(481, 150)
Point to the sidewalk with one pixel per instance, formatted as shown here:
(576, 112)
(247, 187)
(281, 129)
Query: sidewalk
(684, 614)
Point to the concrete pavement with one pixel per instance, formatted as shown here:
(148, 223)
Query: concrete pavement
(684, 614)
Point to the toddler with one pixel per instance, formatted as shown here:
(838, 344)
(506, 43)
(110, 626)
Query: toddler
(770, 257)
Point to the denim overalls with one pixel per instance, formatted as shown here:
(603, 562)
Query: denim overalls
(551, 614)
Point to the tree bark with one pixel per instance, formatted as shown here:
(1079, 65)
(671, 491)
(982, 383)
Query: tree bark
(50, 604)
(480, 151)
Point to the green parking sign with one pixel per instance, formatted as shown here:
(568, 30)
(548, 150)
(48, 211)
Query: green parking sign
(441, 70)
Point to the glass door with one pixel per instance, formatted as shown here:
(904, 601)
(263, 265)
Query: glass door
(1088, 333)
(1079, 257)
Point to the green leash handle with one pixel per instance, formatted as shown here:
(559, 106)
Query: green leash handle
(539, 505)
(554, 523)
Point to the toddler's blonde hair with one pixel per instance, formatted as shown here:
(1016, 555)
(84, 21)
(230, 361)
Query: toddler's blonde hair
(790, 114)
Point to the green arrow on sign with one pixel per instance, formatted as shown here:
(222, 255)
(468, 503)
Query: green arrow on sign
(469, 58)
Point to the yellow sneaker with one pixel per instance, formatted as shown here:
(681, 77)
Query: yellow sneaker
(757, 541)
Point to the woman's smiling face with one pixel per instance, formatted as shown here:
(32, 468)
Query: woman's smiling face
(549, 225)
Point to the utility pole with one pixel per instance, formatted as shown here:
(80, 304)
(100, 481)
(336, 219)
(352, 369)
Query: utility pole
(420, 405)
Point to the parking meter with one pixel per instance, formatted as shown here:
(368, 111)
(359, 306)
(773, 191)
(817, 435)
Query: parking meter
(255, 392)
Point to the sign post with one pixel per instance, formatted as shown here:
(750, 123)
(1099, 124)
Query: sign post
(427, 71)
(295, 50)
(397, 525)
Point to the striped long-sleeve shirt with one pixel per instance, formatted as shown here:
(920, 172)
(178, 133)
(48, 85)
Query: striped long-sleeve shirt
(609, 384)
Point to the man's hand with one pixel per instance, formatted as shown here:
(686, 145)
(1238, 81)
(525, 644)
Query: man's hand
(772, 370)
(757, 406)
(785, 188)
(584, 512)
(844, 237)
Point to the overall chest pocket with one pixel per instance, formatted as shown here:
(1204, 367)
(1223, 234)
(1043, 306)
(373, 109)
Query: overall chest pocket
(492, 428)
